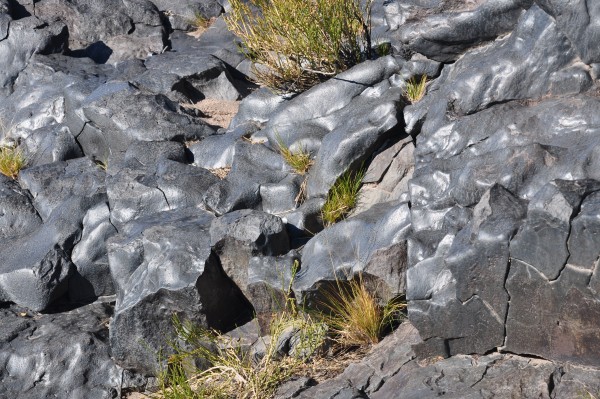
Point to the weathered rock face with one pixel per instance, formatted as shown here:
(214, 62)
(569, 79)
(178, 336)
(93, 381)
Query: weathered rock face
(338, 253)
(110, 31)
(165, 266)
(391, 370)
(443, 30)
(58, 355)
(480, 202)
(465, 277)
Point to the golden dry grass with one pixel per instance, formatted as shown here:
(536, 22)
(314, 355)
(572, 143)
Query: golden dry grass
(12, 161)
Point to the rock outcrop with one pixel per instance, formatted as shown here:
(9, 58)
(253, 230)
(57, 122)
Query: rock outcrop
(480, 203)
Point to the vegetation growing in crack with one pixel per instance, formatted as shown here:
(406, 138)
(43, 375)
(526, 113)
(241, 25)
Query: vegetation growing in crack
(12, 160)
(300, 160)
(356, 317)
(342, 197)
(415, 89)
(230, 371)
(299, 43)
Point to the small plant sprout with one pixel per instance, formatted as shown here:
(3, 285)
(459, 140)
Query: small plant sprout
(342, 197)
(12, 161)
(415, 89)
(355, 316)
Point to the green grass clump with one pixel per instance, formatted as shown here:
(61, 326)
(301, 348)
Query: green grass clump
(415, 89)
(355, 316)
(300, 160)
(342, 197)
(12, 161)
(299, 43)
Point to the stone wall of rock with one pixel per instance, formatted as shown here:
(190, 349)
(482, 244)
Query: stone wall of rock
(480, 203)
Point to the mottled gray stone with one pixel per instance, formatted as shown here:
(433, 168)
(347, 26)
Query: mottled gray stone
(23, 38)
(112, 31)
(269, 279)
(444, 30)
(576, 20)
(460, 297)
(19, 217)
(91, 277)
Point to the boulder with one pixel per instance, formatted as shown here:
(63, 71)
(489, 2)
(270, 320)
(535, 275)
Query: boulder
(20, 39)
(238, 236)
(19, 216)
(108, 31)
(62, 355)
(119, 113)
(254, 165)
(164, 266)
(444, 30)
(153, 178)
(339, 254)
(36, 271)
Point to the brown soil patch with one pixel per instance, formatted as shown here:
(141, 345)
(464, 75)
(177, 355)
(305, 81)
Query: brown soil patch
(216, 112)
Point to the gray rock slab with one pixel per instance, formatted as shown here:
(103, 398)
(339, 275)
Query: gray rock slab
(556, 320)
(461, 297)
(239, 236)
(91, 277)
(253, 165)
(23, 38)
(52, 184)
(136, 190)
(113, 30)
(269, 279)
(19, 216)
(443, 32)
(575, 20)
(120, 113)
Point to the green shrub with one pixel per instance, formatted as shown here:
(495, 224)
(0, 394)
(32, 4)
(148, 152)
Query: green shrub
(342, 197)
(299, 43)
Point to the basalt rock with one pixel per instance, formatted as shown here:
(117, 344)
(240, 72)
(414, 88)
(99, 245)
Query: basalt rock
(164, 266)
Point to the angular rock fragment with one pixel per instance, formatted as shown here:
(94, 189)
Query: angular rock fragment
(239, 236)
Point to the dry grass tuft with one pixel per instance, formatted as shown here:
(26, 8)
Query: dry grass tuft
(355, 316)
(221, 173)
(12, 161)
(300, 160)
(415, 89)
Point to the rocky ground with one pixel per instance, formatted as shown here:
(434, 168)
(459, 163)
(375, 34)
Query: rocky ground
(142, 199)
